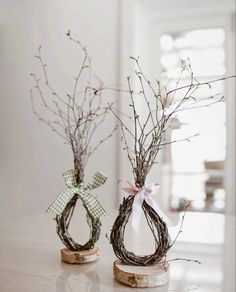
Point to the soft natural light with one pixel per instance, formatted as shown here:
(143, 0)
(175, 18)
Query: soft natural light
(205, 49)
(197, 168)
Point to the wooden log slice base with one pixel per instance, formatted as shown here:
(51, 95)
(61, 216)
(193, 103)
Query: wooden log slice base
(79, 257)
(141, 276)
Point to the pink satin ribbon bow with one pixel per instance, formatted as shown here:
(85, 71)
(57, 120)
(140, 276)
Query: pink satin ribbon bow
(141, 195)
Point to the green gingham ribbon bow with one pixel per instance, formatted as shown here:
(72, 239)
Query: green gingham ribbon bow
(90, 202)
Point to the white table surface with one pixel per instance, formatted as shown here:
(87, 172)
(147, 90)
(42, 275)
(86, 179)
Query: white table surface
(30, 261)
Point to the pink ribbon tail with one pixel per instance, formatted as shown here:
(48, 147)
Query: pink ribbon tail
(139, 196)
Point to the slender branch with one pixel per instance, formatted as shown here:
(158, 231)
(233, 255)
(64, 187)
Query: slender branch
(180, 140)
(208, 83)
(184, 259)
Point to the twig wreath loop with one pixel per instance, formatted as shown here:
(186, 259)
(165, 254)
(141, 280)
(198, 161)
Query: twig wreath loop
(63, 222)
(157, 226)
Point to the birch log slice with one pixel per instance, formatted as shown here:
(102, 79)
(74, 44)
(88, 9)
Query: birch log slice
(79, 257)
(141, 276)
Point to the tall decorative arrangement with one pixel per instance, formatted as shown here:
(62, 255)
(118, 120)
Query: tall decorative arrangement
(76, 118)
(143, 139)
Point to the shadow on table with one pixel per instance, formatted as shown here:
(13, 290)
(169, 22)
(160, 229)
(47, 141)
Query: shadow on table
(78, 278)
(120, 287)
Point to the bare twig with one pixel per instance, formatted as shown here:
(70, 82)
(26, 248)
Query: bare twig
(78, 114)
(162, 105)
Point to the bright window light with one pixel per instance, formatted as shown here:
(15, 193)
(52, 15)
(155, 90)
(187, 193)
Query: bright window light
(196, 168)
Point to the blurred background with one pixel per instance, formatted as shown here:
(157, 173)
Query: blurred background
(161, 33)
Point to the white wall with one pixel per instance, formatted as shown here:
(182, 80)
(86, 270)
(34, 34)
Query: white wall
(32, 158)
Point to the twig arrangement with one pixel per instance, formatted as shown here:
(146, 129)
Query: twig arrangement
(142, 142)
(77, 115)
(63, 221)
(157, 226)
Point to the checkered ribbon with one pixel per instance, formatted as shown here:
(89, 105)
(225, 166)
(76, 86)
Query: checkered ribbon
(91, 203)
